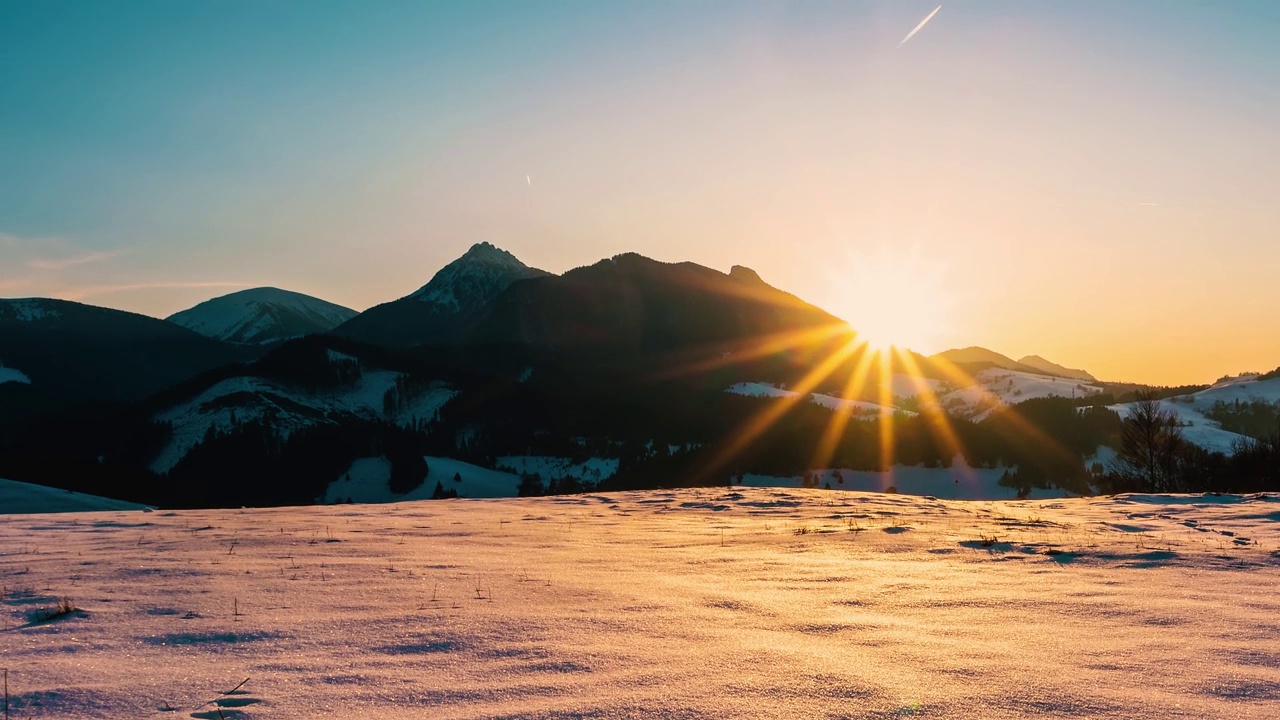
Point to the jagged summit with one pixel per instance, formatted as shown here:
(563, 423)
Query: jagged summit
(262, 315)
(482, 272)
(439, 310)
(745, 274)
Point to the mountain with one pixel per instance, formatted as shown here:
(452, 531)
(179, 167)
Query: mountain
(445, 306)
(1052, 368)
(262, 315)
(72, 354)
(975, 359)
(630, 304)
(979, 356)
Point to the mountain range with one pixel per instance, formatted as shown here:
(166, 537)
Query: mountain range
(657, 371)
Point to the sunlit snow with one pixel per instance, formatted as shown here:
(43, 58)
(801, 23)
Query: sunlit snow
(1199, 429)
(708, 603)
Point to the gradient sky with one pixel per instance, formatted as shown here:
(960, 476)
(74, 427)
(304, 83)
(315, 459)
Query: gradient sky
(1094, 182)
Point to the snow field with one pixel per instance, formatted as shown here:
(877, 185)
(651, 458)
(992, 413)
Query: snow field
(21, 498)
(292, 408)
(366, 481)
(1198, 428)
(708, 603)
(558, 468)
(8, 374)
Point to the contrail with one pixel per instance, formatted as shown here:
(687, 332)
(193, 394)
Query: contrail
(529, 180)
(922, 24)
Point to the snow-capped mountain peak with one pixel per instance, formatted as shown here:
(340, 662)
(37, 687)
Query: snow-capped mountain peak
(468, 282)
(262, 315)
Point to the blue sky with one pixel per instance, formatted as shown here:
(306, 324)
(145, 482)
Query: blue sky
(153, 154)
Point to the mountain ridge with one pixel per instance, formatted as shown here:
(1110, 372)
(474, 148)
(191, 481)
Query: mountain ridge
(443, 307)
(262, 315)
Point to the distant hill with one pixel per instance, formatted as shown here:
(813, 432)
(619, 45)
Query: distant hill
(975, 359)
(980, 356)
(262, 315)
(1052, 368)
(441, 310)
(73, 354)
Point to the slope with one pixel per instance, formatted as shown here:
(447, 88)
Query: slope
(1045, 366)
(1190, 409)
(630, 304)
(441, 310)
(262, 315)
(19, 498)
(74, 354)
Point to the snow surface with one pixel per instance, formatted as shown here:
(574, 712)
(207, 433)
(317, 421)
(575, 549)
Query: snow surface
(995, 387)
(558, 468)
(251, 398)
(859, 409)
(32, 309)
(992, 388)
(958, 482)
(1190, 409)
(262, 315)
(366, 481)
(22, 498)
(705, 603)
(480, 274)
(8, 374)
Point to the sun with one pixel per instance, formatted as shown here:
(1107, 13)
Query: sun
(893, 298)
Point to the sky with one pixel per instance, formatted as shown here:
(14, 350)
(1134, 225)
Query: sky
(1093, 182)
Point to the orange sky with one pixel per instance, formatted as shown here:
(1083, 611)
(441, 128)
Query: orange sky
(1091, 182)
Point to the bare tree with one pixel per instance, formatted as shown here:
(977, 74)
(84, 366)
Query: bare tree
(1150, 444)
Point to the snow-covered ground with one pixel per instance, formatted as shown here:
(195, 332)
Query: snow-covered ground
(262, 315)
(859, 409)
(996, 386)
(958, 482)
(366, 481)
(31, 309)
(8, 374)
(1190, 409)
(250, 398)
(707, 603)
(991, 388)
(559, 468)
(21, 498)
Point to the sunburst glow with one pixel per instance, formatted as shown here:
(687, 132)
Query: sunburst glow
(893, 299)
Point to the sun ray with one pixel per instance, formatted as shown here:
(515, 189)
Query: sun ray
(934, 414)
(885, 424)
(759, 423)
(1030, 432)
(760, 347)
(839, 420)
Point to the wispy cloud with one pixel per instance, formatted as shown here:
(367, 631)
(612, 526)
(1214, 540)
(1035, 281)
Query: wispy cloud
(16, 241)
(66, 262)
(95, 290)
(916, 29)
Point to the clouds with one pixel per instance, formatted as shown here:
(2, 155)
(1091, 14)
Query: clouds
(83, 258)
(80, 293)
(61, 268)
